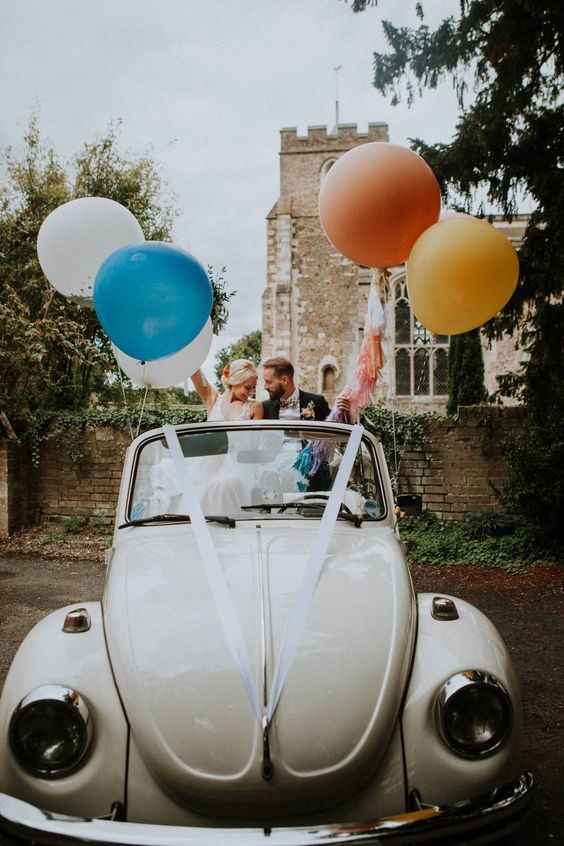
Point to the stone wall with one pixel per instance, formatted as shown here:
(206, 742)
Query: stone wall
(4, 476)
(85, 488)
(314, 303)
(460, 470)
(18, 488)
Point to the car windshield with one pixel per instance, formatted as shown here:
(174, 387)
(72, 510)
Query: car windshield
(245, 473)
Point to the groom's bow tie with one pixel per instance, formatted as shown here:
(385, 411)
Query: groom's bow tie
(291, 402)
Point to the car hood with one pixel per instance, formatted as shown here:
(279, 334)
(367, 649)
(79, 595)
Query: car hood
(182, 691)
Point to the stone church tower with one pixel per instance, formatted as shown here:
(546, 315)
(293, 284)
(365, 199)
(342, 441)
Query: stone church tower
(315, 300)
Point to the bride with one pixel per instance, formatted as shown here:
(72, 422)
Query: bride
(218, 481)
(239, 380)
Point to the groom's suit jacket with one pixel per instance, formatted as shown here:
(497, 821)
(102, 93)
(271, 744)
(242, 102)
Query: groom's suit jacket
(316, 401)
(322, 479)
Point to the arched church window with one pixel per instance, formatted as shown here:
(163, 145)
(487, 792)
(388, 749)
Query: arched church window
(421, 380)
(420, 357)
(326, 167)
(329, 381)
(403, 371)
(440, 370)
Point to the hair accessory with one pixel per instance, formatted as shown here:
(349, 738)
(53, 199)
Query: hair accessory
(238, 372)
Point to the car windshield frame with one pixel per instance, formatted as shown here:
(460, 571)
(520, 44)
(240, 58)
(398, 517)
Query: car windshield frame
(320, 427)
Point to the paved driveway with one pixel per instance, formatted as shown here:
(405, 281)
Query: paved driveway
(527, 609)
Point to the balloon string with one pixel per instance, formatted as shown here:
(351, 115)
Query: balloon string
(384, 276)
(142, 410)
(48, 303)
(396, 465)
(381, 279)
(395, 480)
(123, 395)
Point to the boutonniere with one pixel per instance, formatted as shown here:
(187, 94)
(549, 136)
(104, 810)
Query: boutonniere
(308, 413)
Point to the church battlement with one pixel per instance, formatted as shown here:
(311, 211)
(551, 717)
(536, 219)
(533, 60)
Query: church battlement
(344, 135)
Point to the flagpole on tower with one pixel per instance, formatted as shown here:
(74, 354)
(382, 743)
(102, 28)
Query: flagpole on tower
(337, 69)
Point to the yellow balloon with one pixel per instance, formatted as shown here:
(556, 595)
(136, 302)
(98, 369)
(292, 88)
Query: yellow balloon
(459, 274)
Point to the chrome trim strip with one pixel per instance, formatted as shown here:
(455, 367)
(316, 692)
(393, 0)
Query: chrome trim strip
(316, 425)
(498, 811)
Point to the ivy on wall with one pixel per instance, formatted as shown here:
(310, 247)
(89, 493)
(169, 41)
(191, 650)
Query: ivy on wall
(399, 432)
(69, 426)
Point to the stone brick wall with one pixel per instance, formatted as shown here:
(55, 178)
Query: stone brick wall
(314, 303)
(18, 488)
(302, 158)
(88, 488)
(460, 470)
(4, 521)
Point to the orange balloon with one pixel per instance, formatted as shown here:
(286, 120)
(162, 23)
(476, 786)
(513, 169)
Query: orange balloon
(460, 273)
(376, 201)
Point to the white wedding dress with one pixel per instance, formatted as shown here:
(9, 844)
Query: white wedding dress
(223, 483)
(224, 409)
(230, 484)
(217, 479)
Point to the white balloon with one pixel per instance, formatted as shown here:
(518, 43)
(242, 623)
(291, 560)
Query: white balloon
(77, 237)
(172, 369)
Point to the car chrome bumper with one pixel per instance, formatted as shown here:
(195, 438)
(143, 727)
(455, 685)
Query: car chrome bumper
(471, 821)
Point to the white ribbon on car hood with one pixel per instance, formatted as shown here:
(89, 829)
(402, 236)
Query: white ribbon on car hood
(297, 618)
(214, 571)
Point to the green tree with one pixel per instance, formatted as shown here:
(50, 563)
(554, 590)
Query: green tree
(249, 346)
(509, 139)
(222, 296)
(465, 371)
(506, 62)
(53, 353)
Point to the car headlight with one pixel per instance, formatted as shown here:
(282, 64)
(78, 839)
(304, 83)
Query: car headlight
(50, 731)
(474, 714)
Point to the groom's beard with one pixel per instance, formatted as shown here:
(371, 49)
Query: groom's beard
(276, 393)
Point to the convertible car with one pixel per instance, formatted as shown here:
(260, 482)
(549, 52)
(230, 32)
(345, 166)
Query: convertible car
(260, 669)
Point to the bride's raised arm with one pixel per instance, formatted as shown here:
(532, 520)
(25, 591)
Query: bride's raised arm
(207, 392)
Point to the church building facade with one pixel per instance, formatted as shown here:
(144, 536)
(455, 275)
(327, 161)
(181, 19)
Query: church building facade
(315, 300)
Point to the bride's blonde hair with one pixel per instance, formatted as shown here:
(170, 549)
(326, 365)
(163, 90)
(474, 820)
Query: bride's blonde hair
(237, 372)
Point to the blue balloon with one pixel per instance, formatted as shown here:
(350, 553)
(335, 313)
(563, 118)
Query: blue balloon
(152, 299)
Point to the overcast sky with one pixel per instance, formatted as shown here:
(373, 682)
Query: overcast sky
(206, 85)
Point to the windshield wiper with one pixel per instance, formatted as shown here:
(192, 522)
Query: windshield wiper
(344, 512)
(178, 518)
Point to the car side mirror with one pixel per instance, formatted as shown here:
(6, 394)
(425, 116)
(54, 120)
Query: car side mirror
(410, 504)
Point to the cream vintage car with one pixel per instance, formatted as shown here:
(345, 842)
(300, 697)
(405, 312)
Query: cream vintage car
(259, 669)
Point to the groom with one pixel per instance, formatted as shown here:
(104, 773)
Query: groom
(289, 402)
